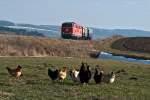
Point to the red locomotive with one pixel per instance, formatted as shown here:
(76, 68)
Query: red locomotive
(71, 30)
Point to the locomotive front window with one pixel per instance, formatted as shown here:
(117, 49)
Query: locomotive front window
(67, 25)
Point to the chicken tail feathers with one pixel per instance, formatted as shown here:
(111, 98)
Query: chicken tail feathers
(49, 72)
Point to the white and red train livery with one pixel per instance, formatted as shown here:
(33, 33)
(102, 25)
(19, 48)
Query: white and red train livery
(71, 30)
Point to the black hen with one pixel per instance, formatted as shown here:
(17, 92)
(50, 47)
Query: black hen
(53, 74)
(98, 76)
(84, 73)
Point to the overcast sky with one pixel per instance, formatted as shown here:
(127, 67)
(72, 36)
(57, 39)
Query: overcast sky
(93, 13)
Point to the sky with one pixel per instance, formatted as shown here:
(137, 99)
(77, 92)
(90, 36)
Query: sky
(109, 14)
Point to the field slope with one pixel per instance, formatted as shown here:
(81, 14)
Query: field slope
(138, 44)
(136, 47)
(41, 47)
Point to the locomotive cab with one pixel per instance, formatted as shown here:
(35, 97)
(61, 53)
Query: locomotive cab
(66, 30)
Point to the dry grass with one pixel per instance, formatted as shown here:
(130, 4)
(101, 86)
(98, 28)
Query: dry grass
(29, 46)
(138, 44)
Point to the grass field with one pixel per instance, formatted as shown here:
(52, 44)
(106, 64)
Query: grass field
(36, 85)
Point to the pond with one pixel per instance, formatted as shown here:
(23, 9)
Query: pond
(105, 55)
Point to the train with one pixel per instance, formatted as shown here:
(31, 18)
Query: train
(72, 30)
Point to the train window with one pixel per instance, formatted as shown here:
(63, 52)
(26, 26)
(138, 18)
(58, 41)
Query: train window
(67, 25)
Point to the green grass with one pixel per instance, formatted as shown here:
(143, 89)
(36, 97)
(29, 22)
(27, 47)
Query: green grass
(36, 85)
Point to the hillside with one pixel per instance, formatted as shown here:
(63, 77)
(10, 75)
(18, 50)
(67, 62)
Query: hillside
(105, 33)
(36, 46)
(13, 31)
(41, 47)
(6, 23)
(138, 44)
(132, 47)
(53, 31)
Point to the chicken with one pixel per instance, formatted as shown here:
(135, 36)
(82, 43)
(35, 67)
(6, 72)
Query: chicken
(98, 76)
(110, 78)
(17, 72)
(53, 74)
(74, 74)
(84, 73)
(62, 73)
